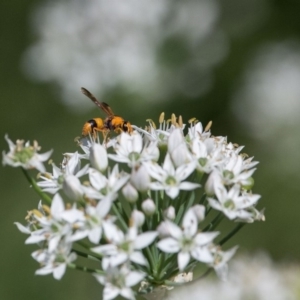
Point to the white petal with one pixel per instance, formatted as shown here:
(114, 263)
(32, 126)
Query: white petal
(110, 292)
(98, 157)
(83, 171)
(183, 259)
(127, 293)
(188, 186)
(22, 228)
(103, 207)
(145, 239)
(118, 259)
(137, 142)
(204, 238)
(44, 271)
(172, 191)
(184, 171)
(57, 207)
(53, 243)
(73, 215)
(134, 277)
(168, 165)
(202, 254)
(72, 164)
(44, 156)
(190, 223)
(175, 139)
(95, 235)
(97, 180)
(72, 187)
(138, 258)
(35, 239)
(108, 249)
(59, 271)
(214, 204)
(173, 229)
(168, 245)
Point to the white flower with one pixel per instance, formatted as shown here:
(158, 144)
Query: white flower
(160, 135)
(25, 156)
(57, 226)
(232, 203)
(105, 187)
(130, 150)
(52, 183)
(124, 247)
(207, 154)
(196, 131)
(55, 261)
(92, 225)
(171, 179)
(187, 242)
(118, 281)
(220, 260)
(235, 171)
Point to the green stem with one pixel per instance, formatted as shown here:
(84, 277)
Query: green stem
(232, 233)
(214, 223)
(120, 218)
(86, 255)
(44, 196)
(85, 269)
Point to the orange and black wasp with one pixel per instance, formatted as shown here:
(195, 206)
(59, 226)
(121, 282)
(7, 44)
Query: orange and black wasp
(111, 123)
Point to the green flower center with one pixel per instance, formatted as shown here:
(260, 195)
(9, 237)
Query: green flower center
(126, 247)
(228, 174)
(186, 244)
(60, 179)
(104, 191)
(24, 155)
(134, 156)
(202, 161)
(171, 180)
(229, 204)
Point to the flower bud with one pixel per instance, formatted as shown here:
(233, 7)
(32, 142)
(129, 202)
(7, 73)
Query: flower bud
(137, 218)
(169, 213)
(140, 179)
(98, 157)
(148, 207)
(213, 180)
(199, 211)
(72, 187)
(248, 184)
(178, 149)
(130, 193)
(163, 230)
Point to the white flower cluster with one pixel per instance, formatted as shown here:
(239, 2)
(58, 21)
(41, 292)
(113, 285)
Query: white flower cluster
(140, 207)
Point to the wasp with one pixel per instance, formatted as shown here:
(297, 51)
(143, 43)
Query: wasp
(111, 123)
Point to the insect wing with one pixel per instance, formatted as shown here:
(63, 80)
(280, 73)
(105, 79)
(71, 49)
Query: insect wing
(104, 106)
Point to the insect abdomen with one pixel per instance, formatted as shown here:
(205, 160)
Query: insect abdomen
(92, 125)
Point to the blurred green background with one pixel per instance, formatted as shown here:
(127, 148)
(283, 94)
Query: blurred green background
(247, 84)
